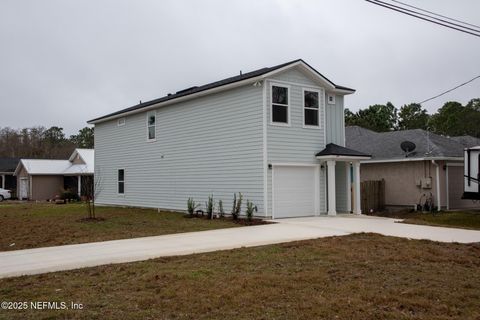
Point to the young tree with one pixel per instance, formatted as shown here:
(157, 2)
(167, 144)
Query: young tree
(412, 116)
(91, 188)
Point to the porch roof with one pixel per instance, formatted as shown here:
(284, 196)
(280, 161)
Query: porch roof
(333, 151)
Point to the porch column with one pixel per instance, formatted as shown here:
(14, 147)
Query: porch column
(332, 202)
(357, 207)
(3, 181)
(349, 186)
(79, 186)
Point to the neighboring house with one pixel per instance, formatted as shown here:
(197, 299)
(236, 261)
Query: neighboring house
(434, 168)
(7, 168)
(265, 133)
(43, 179)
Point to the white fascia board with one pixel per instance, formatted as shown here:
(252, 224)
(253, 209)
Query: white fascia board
(413, 159)
(342, 158)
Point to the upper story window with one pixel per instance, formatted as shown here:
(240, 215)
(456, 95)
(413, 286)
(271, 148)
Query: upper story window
(151, 125)
(311, 108)
(280, 104)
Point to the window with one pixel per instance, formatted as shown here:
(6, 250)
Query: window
(311, 110)
(151, 125)
(121, 122)
(121, 181)
(280, 104)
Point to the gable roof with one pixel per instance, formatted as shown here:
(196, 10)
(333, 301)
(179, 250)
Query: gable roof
(386, 145)
(332, 149)
(225, 84)
(8, 164)
(59, 167)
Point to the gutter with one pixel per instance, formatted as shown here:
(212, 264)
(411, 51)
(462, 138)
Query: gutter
(437, 173)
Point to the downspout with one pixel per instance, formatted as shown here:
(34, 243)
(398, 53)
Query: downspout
(437, 173)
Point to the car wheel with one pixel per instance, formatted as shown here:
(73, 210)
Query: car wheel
(1, 198)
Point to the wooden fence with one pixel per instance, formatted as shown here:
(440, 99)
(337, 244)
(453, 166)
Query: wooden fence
(373, 196)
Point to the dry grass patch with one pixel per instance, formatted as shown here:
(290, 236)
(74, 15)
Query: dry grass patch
(32, 225)
(362, 276)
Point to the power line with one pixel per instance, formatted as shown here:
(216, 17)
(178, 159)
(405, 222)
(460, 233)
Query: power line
(414, 14)
(450, 90)
(426, 15)
(437, 14)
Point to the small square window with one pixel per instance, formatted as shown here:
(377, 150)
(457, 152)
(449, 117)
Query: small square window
(121, 122)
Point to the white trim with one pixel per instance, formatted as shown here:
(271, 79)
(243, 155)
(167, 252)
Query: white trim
(273, 192)
(328, 95)
(305, 126)
(289, 120)
(437, 183)
(265, 152)
(349, 186)
(447, 188)
(317, 187)
(357, 207)
(414, 159)
(3, 181)
(298, 84)
(340, 158)
(331, 191)
(148, 126)
(455, 164)
(294, 164)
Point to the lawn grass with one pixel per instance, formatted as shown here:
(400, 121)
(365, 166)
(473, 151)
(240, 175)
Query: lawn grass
(468, 219)
(33, 225)
(361, 276)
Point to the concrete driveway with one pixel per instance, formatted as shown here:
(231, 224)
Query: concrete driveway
(42, 260)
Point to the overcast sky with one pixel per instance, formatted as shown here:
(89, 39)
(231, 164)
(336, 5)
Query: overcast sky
(65, 62)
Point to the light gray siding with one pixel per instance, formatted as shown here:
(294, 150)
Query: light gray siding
(294, 144)
(209, 145)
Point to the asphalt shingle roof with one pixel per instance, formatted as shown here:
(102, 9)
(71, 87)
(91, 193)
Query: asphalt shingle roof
(386, 145)
(196, 89)
(332, 149)
(467, 141)
(8, 164)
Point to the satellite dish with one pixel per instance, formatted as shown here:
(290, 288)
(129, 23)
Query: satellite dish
(407, 147)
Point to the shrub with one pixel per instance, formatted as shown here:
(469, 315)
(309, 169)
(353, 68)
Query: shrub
(237, 205)
(220, 208)
(191, 206)
(209, 206)
(250, 209)
(69, 195)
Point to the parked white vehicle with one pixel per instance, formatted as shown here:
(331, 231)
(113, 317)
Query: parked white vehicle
(4, 194)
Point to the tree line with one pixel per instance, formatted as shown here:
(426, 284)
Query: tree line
(42, 143)
(452, 119)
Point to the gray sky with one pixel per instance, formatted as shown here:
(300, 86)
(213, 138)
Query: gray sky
(65, 62)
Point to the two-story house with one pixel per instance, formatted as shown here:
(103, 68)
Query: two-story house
(276, 135)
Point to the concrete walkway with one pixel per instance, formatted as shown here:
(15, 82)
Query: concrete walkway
(42, 260)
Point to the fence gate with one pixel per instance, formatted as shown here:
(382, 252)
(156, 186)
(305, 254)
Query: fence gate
(373, 196)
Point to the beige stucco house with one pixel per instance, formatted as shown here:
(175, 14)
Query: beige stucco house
(43, 179)
(434, 169)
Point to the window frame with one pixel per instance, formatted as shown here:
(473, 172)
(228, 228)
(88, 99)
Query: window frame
(121, 181)
(330, 95)
(280, 124)
(154, 112)
(320, 104)
(121, 122)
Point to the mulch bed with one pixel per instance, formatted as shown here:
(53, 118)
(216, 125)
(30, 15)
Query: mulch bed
(241, 221)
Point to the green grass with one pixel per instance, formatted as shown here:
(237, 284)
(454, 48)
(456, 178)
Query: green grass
(469, 219)
(39, 225)
(361, 276)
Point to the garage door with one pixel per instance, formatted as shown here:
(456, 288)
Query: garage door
(455, 190)
(295, 191)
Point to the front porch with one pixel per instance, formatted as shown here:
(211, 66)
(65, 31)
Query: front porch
(351, 160)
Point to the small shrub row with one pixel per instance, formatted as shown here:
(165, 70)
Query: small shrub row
(210, 207)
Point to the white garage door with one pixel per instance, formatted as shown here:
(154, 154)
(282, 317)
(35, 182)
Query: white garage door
(295, 191)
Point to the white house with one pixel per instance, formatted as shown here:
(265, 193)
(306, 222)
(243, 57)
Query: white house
(276, 135)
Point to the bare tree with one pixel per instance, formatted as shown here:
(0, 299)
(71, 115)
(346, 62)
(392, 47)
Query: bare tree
(91, 188)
